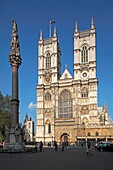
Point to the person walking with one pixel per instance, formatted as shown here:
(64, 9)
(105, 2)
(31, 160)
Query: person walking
(35, 147)
(88, 148)
(55, 145)
(62, 146)
(40, 146)
(82, 145)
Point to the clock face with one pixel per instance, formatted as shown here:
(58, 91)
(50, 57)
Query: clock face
(84, 74)
(47, 77)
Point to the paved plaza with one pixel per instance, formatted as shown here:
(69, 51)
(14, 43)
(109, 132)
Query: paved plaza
(48, 159)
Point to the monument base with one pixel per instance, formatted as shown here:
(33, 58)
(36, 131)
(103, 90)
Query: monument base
(14, 139)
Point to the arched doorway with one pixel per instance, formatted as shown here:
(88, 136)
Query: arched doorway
(64, 138)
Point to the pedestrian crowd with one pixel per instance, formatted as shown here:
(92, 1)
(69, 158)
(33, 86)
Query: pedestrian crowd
(63, 146)
(39, 146)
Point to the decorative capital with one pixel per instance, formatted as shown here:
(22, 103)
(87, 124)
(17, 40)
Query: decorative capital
(14, 56)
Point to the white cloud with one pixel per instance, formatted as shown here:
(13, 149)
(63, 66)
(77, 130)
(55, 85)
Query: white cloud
(32, 106)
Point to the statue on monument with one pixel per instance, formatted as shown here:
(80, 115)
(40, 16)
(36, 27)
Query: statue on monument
(14, 56)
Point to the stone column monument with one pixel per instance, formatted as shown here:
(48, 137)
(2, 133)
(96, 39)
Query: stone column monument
(14, 135)
(15, 61)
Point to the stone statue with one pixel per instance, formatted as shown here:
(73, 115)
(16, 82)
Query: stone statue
(14, 56)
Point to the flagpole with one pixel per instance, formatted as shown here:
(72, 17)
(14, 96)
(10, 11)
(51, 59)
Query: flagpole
(50, 30)
(51, 22)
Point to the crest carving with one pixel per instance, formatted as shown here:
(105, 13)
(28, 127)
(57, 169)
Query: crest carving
(48, 77)
(48, 112)
(84, 110)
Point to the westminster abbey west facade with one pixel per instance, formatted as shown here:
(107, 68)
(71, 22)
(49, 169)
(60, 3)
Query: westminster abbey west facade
(67, 107)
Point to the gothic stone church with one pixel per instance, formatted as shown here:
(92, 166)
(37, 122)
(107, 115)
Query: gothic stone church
(67, 107)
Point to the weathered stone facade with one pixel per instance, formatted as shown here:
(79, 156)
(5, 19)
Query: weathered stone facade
(28, 128)
(67, 107)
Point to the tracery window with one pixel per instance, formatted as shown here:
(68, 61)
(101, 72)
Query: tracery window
(48, 96)
(65, 105)
(84, 92)
(84, 54)
(48, 61)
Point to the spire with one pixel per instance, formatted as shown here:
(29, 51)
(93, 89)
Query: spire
(105, 108)
(41, 37)
(26, 118)
(76, 27)
(55, 34)
(66, 66)
(92, 23)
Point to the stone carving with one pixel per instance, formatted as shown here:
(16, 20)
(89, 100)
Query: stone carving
(14, 56)
(84, 110)
(48, 112)
(47, 77)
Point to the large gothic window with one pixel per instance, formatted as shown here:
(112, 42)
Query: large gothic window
(47, 96)
(84, 54)
(65, 105)
(84, 92)
(48, 61)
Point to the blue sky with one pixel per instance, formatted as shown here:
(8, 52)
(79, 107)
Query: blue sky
(33, 15)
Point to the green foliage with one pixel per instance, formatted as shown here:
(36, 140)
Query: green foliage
(5, 114)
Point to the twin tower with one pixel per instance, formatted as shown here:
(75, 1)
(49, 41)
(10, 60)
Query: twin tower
(65, 102)
(49, 56)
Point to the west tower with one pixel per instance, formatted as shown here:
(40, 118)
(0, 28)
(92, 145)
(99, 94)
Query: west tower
(85, 73)
(48, 75)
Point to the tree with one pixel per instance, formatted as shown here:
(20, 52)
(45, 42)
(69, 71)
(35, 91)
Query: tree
(5, 114)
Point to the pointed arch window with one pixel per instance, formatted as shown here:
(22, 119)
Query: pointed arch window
(84, 54)
(65, 105)
(84, 92)
(48, 61)
(100, 118)
(96, 134)
(49, 128)
(89, 134)
(48, 96)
